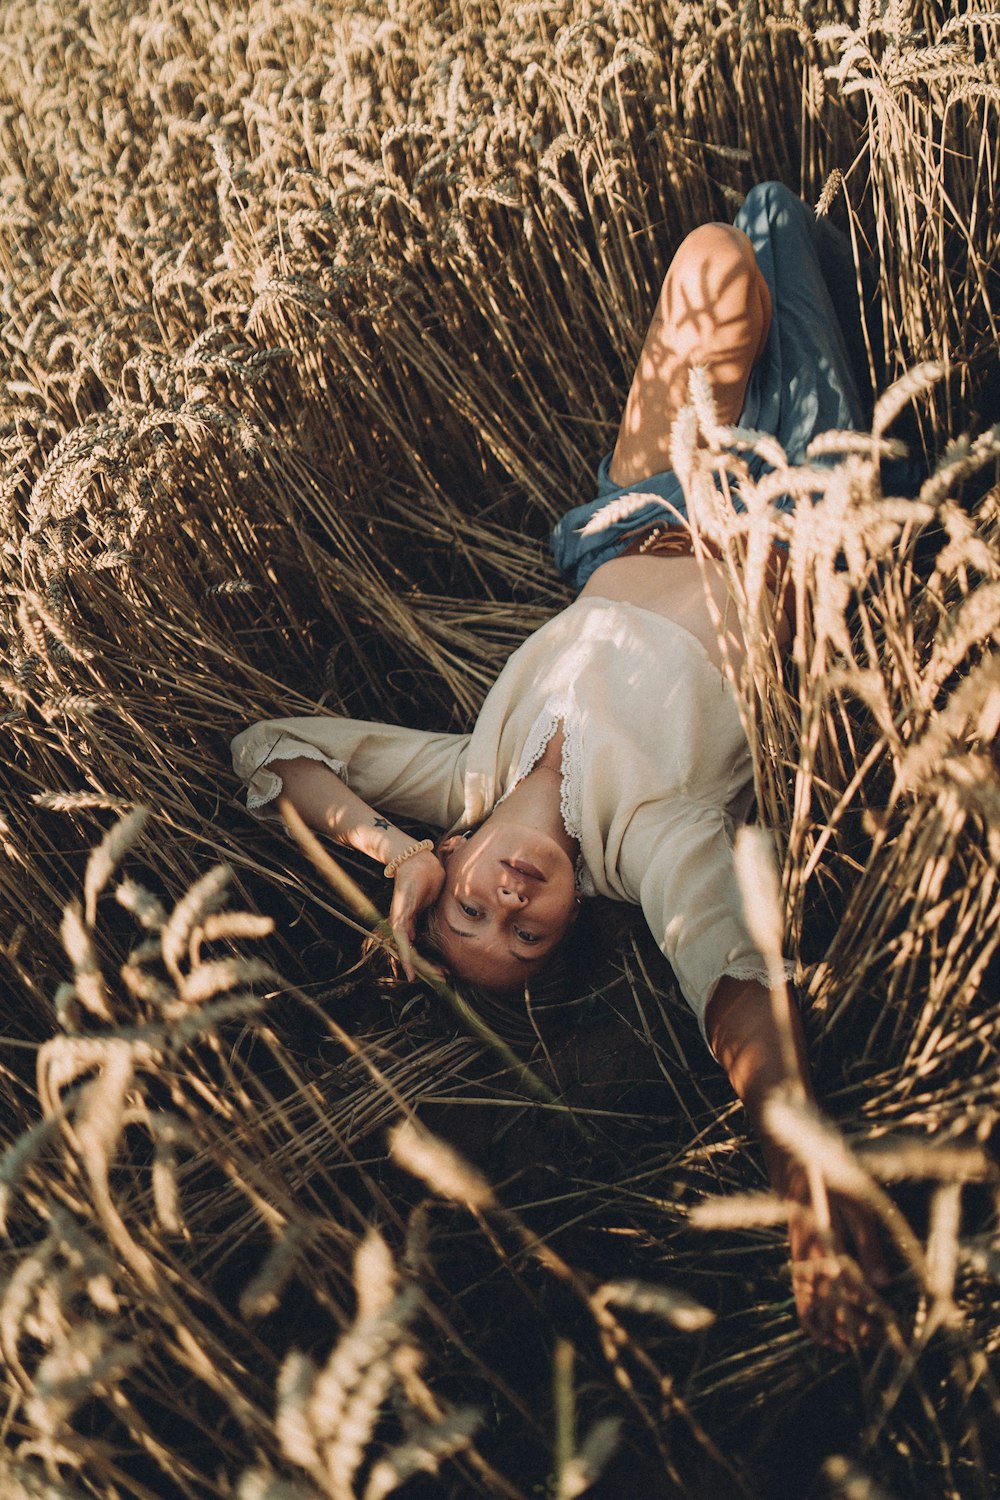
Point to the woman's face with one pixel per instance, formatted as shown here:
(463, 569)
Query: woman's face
(508, 900)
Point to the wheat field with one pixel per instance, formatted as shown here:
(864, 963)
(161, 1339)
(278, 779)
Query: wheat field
(313, 320)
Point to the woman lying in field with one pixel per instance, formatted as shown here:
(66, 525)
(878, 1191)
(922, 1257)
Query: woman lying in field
(609, 756)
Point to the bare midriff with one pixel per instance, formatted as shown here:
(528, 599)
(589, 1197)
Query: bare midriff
(692, 592)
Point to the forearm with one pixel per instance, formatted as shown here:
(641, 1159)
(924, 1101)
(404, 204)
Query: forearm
(744, 1033)
(328, 805)
(747, 1039)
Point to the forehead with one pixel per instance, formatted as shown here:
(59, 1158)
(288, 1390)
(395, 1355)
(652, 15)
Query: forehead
(480, 961)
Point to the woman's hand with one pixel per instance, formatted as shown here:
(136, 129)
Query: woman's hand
(416, 886)
(326, 803)
(837, 1272)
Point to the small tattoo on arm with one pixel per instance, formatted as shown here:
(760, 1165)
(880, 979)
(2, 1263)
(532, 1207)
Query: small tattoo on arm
(381, 823)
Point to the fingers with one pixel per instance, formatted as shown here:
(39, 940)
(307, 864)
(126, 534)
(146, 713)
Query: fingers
(401, 912)
(405, 952)
(403, 923)
(404, 942)
(417, 884)
(834, 1294)
(863, 1231)
(832, 1304)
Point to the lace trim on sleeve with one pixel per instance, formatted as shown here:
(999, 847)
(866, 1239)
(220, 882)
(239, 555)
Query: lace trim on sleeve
(294, 750)
(755, 972)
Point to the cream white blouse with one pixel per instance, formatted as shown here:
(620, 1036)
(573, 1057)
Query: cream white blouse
(655, 767)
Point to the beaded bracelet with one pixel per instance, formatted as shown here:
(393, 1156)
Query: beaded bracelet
(401, 859)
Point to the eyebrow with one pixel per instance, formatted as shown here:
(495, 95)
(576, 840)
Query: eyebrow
(522, 958)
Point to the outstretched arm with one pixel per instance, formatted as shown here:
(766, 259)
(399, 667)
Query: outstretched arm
(743, 1034)
(327, 804)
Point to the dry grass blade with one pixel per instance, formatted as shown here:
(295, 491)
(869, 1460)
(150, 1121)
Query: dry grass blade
(655, 1301)
(818, 1145)
(369, 914)
(313, 319)
(423, 1453)
(850, 1482)
(740, 1211)
(587, 1465)
(440, 1166)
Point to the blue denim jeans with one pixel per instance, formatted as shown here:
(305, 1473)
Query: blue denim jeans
(802, 384)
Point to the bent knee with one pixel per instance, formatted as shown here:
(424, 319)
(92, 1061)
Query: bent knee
(712, 258)
(715, 288)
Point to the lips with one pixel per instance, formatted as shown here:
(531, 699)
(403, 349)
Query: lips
(523, 868)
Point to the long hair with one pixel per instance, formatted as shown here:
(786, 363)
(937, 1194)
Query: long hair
(564, 991)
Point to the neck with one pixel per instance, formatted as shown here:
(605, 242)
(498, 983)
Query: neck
(536, 800)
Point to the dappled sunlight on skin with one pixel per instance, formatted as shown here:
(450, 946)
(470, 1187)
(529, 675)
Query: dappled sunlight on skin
(676, 588)
(837, 1273)
(509, 898)
(714, 311)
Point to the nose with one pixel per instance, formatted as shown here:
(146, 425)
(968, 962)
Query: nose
(510, 895)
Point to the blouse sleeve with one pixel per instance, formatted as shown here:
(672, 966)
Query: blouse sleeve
(691, 899)
(411, 773)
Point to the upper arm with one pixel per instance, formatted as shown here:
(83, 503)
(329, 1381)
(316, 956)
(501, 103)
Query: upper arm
(690, 897)
(410, 773)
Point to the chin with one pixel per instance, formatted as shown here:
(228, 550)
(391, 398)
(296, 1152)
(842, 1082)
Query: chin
(536, 848)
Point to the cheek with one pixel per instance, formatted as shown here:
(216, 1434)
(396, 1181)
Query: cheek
(558, 921)
(457, 869)
(567, 903)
